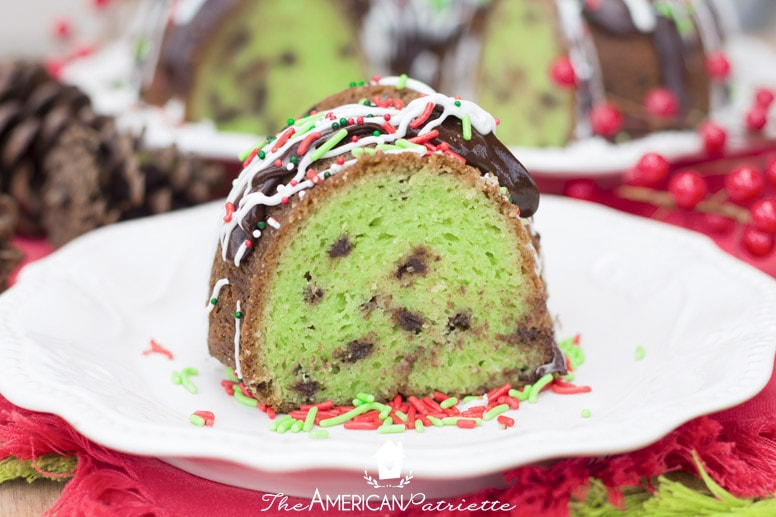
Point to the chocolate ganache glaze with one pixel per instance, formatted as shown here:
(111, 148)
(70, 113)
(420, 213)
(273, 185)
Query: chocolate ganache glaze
(323, 143)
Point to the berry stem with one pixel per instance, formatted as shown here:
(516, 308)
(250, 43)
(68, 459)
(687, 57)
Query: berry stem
(713, 205)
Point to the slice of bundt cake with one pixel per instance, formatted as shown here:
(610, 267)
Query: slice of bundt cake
(381, 247)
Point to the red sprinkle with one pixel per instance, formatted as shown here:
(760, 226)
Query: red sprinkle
(420, 119)
(364, 426)
(250, 157)
(505, 420)
(464, 423)
(426, 137)
(454, 155)
(308, 140)
(418, 405)
(271, 413)
(282, 139)
(439, 396)
(156, 348)
(207, 416)
(388, 127)
(228, 386)
(495, 393)
(566, 388)
(327, 404)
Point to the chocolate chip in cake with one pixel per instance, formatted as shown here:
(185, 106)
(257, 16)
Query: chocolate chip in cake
(307, 388)
(461, 321)
(408, 320)
(288, 58)
(312, 295)
(357, 350)
(341, 247)
(414, 265)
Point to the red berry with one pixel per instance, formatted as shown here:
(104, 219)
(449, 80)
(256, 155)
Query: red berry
(687, 188)
(763, 212)
(718, 66)
(713, 137)
(770, 172)
(582, 188)
(562, 72)
(744, 183)
(650, 170)
(718, 224)
(763, 97)
(606, 119)
(756, 242)
(756, 118)
(662, 103)
(62, 29)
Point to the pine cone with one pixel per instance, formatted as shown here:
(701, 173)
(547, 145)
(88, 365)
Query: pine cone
(10, 256)
(34, 108)
(97, 176)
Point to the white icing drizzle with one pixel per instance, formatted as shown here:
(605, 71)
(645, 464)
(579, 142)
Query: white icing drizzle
(399, 119)
(642, 13)
(216, 290)
(237, 366)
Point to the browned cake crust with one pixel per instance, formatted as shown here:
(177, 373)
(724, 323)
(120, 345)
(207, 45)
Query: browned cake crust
(251, 282)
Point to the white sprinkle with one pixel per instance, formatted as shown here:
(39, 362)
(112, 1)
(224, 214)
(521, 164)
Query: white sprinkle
(273, 223)
(256, 233)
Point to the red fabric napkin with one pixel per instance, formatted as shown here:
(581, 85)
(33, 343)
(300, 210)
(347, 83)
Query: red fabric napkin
(737, 447)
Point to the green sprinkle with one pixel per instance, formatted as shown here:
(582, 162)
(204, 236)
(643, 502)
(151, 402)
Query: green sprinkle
(245, 401)
(290, 121)
(520, 395)
(197, 420)
(190, 371)
(358, 402)
(448, 402)
(376, 132)
(326, 175)
(304, 129)
(343, 122)
(585, 413)
(402, 82)
(402, 416)
(230, 375)
(537, 387)
(328, 145)
(495, 411)
(244, 155)
(276, 423)
(391, 429)
(361, 83)
(640, 353)
(176, 378)
(370, 151)
(261, 225)
(403, 143)
(387, 147)
(352, 84)
(335, 125)
(285, 425)
(419, 427)
(297, 426)
(466, 120)
(344, 417)
(309, 420)
(366, 102)
(385, 413)
(457, 103)
(213, 301)
(238, 314)
(294, 159)
(574, 353)
(190, 386)
(471, 398)
(436, 422)
(365, 397)
(318, 434)
(261, 155)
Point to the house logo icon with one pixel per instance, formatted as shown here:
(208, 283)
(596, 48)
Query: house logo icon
(389, 457)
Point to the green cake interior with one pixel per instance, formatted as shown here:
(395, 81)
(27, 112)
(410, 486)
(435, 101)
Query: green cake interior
(306, 50)
(398, 279)
(520, 42)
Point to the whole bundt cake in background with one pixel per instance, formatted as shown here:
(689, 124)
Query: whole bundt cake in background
(382, 246)
(556, 70)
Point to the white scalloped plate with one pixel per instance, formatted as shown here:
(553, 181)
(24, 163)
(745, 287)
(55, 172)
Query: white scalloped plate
(73, 329)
